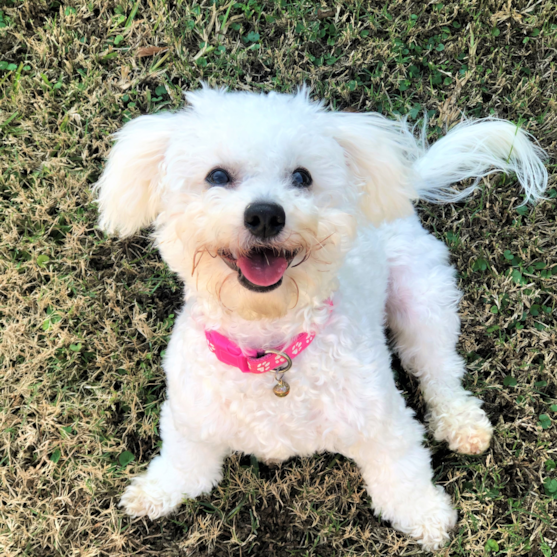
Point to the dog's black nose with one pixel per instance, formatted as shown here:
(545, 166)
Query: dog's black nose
(264, 220)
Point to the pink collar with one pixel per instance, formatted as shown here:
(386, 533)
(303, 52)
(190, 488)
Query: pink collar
(228, 352)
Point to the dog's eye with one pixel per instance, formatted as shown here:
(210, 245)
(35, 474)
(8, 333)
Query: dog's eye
(218, 177)
(301, 178)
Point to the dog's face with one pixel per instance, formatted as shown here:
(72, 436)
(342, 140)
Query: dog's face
(255, 198)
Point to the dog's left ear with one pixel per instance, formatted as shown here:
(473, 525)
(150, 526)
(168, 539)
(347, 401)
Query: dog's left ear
(129, 188)
(379, 155)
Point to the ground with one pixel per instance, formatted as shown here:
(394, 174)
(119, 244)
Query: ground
(85, 318)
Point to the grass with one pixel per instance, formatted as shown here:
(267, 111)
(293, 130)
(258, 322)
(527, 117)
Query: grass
(86, 318)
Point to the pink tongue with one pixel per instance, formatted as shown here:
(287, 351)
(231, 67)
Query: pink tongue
(263, 268)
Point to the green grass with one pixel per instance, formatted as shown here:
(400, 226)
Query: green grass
(85, 318)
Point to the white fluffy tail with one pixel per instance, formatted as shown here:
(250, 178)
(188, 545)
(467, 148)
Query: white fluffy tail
(474, 149)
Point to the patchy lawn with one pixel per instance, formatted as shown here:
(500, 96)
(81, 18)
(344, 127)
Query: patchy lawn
(86, 318)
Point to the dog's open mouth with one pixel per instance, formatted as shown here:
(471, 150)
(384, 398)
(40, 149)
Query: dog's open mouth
(261, 269)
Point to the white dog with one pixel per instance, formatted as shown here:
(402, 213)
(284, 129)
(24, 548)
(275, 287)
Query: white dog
(294, 230)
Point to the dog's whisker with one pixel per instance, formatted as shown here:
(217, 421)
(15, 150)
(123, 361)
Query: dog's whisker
(220, 291)
(297, 292)
(321, 261)
(200, 252)
(307, 255)
(321, 243)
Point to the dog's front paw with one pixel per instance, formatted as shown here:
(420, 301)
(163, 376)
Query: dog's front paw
(465, 427)
(145, 497)
(435, 520)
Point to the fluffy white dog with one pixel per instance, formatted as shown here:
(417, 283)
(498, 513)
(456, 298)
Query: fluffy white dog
(294, 231)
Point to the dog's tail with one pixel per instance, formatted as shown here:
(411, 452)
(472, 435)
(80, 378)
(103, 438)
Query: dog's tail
(476, 148)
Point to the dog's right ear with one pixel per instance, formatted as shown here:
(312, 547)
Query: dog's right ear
(129, 189)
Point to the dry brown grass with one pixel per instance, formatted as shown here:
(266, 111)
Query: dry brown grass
(85, 318)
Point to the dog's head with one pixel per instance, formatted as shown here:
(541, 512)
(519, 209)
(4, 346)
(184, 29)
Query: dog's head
(256, 198)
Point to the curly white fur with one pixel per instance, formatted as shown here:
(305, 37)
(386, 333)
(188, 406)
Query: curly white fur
(365, 168)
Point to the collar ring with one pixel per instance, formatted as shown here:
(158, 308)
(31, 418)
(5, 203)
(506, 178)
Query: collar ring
(283, 355)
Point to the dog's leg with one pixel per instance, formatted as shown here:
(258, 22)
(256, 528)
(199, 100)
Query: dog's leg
(422, 311)
(183, 469)
(397, 471)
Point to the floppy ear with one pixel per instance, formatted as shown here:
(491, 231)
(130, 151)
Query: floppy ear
(129, 189)
(379, 153)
